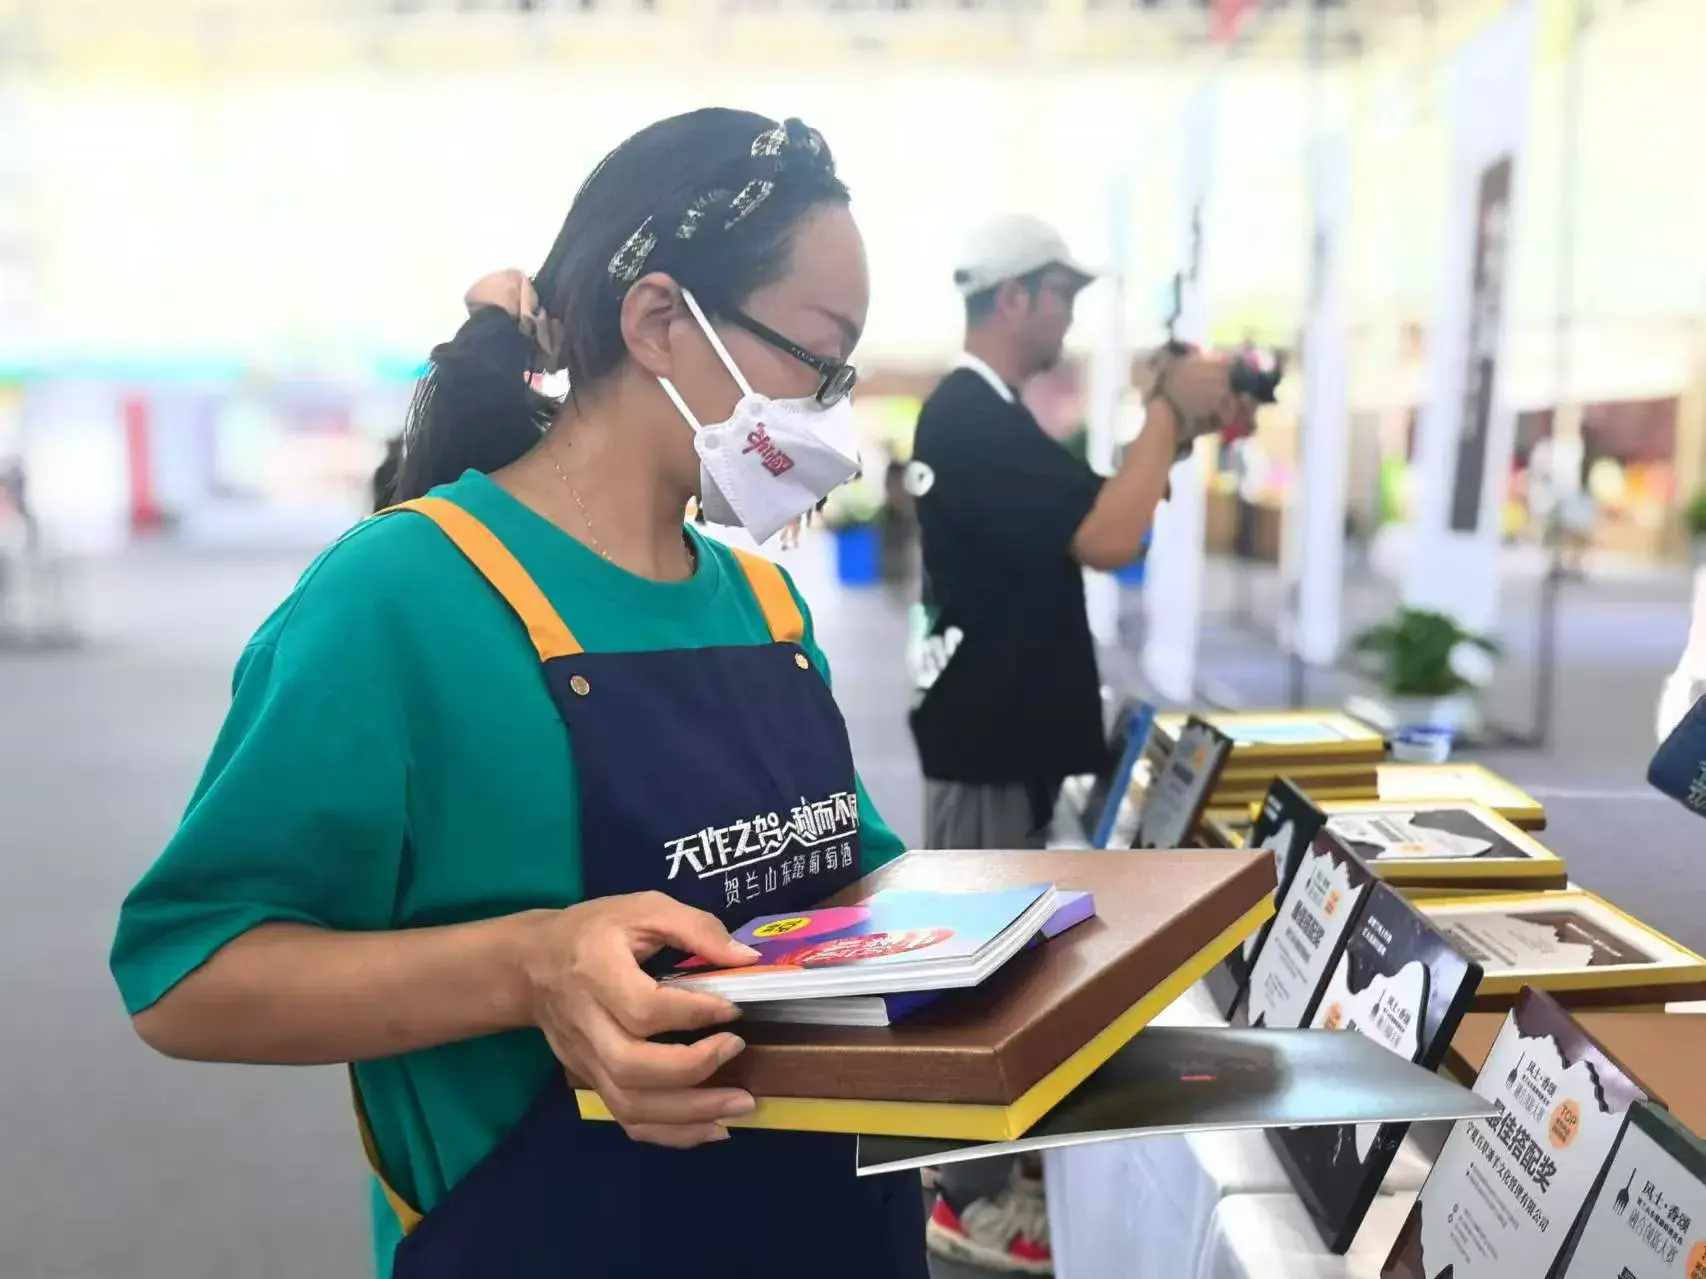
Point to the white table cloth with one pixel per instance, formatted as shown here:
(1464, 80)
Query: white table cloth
(1272, 1237)
(1143, 1207)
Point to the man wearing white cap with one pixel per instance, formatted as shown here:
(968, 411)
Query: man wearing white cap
(1008, 696)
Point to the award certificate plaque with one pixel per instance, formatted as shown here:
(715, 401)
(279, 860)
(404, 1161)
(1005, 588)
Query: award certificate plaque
(1475, 783)
(1648, 1216)
(1505, 1193)
(1444, 842)
(1286, 826)
(1399, 984)
(1182, 786)
(1313, 919)
(1573, 944)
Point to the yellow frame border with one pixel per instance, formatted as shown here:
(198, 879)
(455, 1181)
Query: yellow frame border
(1540, 863)
(1358, 740)
(1623, 975)
(1335, 794)
(949, 1122)
(1518, 804)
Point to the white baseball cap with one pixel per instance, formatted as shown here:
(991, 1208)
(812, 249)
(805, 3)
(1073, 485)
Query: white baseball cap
(1011, 247)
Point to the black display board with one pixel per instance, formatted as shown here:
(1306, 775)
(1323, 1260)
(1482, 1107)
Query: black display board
(1311, 925)
(1648, 1212)
(1402, 985)
(1183, 785)
(1505, 1194)
(1286, 826)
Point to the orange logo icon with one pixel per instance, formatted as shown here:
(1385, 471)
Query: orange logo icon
(1697, 1261)
(1565, 1122)
(1335, 1017)
(1332, 903)
(782, 927)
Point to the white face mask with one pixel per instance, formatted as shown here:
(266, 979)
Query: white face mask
(772, 461)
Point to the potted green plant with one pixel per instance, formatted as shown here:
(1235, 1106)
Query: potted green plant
(1429, 668)
(1694, 520)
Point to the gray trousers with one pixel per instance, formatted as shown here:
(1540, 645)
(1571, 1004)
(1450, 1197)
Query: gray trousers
(961, 815)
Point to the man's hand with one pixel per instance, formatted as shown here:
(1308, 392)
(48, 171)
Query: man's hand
(1198, 390)
(599, 1010)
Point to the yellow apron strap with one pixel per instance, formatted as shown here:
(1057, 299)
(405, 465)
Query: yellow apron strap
(407, 1217)
(781, 614)
(550, 634)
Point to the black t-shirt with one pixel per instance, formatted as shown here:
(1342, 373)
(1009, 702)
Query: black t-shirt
(1006, 679)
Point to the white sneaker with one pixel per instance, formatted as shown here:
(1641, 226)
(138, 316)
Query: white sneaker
(1006, 1232)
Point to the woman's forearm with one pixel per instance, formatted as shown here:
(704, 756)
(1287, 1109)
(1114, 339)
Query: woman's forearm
(287, 994)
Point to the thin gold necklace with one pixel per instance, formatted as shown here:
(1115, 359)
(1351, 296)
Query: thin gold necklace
(591, 532)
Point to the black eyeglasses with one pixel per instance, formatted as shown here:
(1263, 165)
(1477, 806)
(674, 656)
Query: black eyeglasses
(839, 377)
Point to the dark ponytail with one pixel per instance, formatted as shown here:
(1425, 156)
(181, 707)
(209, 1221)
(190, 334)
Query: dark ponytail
(474, 409)
(692, 179)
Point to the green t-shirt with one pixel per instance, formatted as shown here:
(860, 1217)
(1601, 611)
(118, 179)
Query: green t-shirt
(394, 701)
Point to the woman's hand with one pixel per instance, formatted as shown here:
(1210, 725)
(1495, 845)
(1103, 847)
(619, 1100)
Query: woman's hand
(598, 1009)
(513, 291)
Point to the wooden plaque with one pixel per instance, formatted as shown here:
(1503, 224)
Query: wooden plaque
(1015, 1046)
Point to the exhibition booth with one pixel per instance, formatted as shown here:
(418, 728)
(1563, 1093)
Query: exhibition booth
(1492, 305)
(1421, 907)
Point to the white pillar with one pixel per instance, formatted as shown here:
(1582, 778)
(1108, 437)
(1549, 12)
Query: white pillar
(1468, 430)
(1173, 584)
(1315, 522)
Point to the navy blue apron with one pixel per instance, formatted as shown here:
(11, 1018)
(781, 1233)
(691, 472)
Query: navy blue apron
(723, 777)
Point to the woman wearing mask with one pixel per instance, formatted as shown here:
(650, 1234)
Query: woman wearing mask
(501, 746)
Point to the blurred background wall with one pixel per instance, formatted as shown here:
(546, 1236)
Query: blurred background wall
(228, 222)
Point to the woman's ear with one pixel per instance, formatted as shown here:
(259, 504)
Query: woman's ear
(649, 311)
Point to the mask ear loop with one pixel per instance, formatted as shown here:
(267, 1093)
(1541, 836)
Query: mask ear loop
(722, 354)
(716, 342)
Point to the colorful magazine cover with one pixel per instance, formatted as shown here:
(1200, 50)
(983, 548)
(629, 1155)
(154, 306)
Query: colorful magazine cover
(889, 927)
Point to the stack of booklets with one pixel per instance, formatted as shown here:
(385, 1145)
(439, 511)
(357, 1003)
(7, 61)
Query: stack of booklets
(875, 961)
(1326, 753)
(1045, 1048)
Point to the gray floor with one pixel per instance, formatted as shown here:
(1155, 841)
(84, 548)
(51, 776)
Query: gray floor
(115, 1165)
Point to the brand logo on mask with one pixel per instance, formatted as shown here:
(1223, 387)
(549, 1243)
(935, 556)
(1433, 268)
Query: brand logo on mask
(775, 459)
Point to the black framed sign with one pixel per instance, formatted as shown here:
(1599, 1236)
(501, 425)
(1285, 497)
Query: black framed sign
(1286, 826)
(1182, 786)
(1402, 985)
(1648, 1213)
(1505, 1192)
(1310, 926)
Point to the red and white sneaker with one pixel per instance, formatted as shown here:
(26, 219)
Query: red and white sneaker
(1006, 1232)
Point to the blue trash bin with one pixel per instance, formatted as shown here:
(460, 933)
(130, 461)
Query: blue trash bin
(858, 555)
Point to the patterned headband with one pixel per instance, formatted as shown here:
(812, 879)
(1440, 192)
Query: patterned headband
(780, 149)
